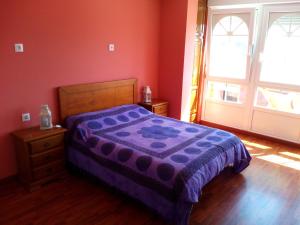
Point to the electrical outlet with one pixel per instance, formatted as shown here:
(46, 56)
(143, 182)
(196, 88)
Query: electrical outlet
(111, 47)
(25, 117)
(19, 48)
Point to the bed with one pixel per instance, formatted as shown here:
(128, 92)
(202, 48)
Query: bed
(160, 161)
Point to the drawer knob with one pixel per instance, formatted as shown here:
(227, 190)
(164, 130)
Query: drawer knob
(48, 157)
(46, 144)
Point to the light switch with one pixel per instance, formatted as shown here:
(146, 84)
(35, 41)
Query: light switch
(111, 47)
(19, 48)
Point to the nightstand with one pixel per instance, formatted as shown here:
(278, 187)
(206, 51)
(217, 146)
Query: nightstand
(40, 155)
(157, 106)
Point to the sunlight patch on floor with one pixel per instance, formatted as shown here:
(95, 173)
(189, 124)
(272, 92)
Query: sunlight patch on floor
(281, 161)
(256, 154)
(256, 145)
(290, 154)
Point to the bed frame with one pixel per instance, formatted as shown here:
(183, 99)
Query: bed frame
(81, 98)
(76, 99)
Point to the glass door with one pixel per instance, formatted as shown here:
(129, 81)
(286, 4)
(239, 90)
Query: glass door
(276, 109)
(279, 78)
(229, 65)
(253, 70)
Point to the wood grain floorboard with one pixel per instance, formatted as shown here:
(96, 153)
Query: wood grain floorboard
(266, 193)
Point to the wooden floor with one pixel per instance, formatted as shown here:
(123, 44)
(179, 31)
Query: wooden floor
(266, 193)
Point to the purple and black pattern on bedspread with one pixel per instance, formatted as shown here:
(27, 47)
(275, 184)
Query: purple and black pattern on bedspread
(166, 155)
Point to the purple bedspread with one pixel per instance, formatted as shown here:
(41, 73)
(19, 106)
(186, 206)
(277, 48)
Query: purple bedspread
(173, 159)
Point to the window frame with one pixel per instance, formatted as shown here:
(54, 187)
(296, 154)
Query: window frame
(267, 10)
(244, 83)
(231, 12)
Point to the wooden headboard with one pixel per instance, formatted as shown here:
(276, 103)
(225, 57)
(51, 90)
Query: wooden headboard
(82, 98)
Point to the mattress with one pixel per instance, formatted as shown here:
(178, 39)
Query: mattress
(169, 159)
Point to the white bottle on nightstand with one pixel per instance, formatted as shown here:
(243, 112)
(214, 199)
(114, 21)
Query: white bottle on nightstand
(45, 118)
(147, 94)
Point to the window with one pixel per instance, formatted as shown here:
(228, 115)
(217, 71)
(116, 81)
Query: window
(229, 47)
(280, 100)
(279, 74)
(230, 39)
(225, 92)
(253, 66)
(282, 50)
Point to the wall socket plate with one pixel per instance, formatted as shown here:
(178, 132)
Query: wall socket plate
(26, 117)
(111, 47)
(19, 48)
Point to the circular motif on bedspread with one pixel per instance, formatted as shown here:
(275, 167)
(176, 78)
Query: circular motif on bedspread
(158, 121)
(165, 171)
(107, 148)
(80, 134)
(94, 125)
(110, 121)
(123, 118)
(179, 158)
(204, 144)
(124, 154)
(214, 138)
(192, 150)
(144, 111)
(134, 115)
(158, 132)
(158, 145)
(92, 142)
(123, 134)
(191, 130)
(143, 163)
(223, 134)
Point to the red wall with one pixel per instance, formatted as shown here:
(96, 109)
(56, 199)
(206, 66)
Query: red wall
(66, 43)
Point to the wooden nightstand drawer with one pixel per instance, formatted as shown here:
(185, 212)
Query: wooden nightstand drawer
(47, 157)
(48, 170)
(161, 109)
(163, 114)
(157, 106)
(46, 143)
